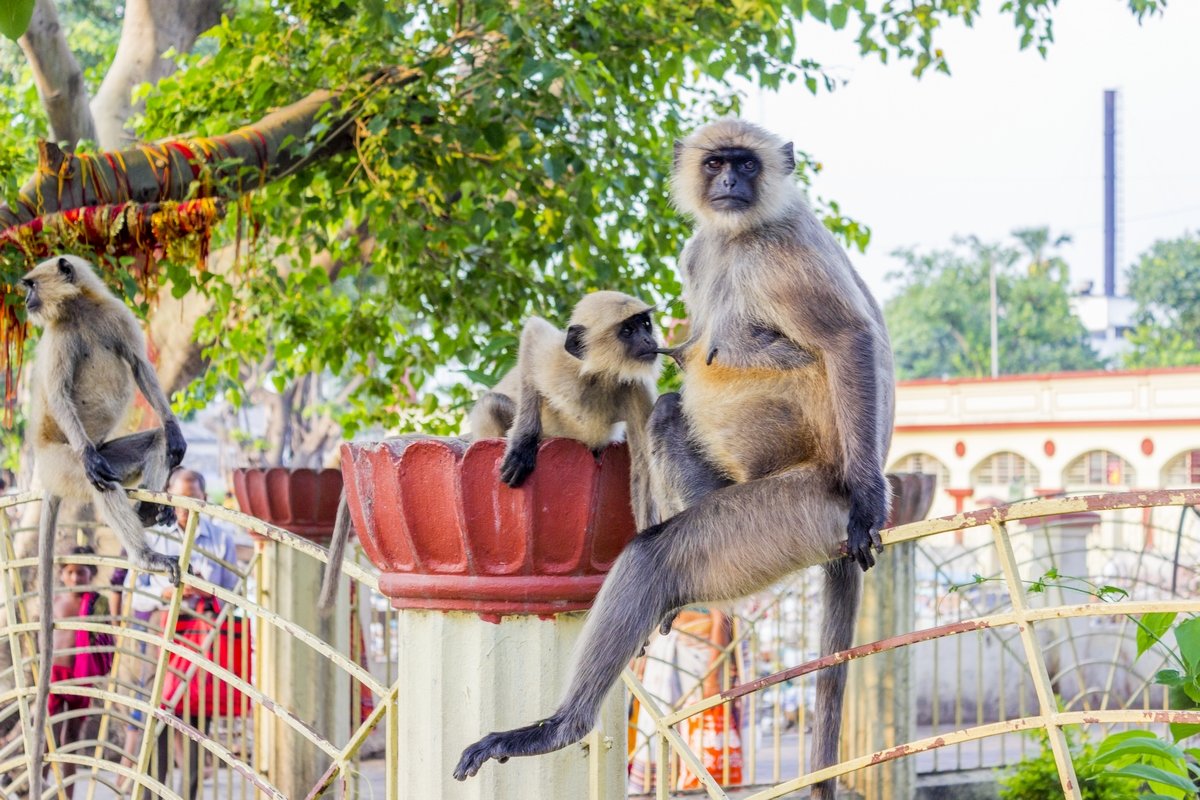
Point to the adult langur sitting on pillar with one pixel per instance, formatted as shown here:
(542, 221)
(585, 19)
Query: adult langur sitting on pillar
(89, 358)
(773, 454)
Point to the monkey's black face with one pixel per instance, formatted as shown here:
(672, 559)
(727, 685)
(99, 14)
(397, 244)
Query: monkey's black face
(33, 303)
(637, 334)
(731, 178)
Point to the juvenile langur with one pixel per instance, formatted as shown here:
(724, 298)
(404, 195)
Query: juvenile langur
(579, 384)
(773, 453)
(90, 357)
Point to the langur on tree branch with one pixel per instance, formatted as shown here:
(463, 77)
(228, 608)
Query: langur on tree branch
(90, 357)
(772, 455)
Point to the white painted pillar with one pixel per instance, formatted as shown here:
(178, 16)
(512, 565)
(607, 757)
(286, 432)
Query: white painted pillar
(464, 677)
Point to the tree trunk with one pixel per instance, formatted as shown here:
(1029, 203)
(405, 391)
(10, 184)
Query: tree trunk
(58, 76)
(151, 27)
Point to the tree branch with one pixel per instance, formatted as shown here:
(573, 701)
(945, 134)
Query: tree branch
(58, 76)
(151, 28)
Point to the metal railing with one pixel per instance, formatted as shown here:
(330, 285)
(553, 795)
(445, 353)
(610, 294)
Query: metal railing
(1023, 630)
(119, 726)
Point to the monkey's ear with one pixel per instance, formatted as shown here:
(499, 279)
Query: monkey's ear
(789, 158)
(575, 344)
(678, 153)
(66, 270)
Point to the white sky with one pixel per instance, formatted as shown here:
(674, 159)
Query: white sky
(1009, 140)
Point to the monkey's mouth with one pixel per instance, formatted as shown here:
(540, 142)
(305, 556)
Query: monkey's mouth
(33, 305)
(730, 202)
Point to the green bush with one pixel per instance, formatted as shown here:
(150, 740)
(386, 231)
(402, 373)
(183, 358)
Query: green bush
(1036, 778)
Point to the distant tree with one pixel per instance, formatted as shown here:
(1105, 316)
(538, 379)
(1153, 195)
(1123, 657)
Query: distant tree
(1039, 246)
(1165, 283)
(939, 321)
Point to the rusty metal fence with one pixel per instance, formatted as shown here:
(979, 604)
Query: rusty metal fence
(294, 696)
(1009, 631)
(1059, 659)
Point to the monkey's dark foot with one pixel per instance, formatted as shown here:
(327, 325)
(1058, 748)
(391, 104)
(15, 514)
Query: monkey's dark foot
(862, 542)
(518, 462)
(157, 562)
(664, 627)
(532, 740)
(99, 472)
(155, 514)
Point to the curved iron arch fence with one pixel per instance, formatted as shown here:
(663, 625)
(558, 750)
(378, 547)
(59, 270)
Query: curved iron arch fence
(256, 730)
(293, 661)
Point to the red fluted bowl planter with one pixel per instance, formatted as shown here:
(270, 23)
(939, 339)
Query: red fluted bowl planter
(303, 501)
(432, 514)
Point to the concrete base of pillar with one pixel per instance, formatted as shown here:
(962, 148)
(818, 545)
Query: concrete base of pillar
(464, 677)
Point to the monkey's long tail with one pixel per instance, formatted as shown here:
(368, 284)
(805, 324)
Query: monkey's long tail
(842, 593)
(630, 605)
(46, 530)
(337, 553)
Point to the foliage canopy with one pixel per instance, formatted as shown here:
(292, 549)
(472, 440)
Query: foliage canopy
(527, 164)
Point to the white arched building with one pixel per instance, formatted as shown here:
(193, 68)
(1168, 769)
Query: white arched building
(994, 440)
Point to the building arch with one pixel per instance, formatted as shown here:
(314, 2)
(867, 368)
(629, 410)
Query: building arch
(1183, 469)
(923, 464)
(1099, 469)
(1005, 475)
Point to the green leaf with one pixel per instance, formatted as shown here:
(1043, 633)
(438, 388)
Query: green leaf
(1187, 634)
(1156, 775)
(1145, 745)
(1182, 730)
(15, 16)
(837, 16)
(1169, 677)
(1152, 628)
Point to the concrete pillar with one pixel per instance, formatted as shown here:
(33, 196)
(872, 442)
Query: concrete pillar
(880, 708)
(880, 699)
(293, 674)
(301, 680)
(465, 677)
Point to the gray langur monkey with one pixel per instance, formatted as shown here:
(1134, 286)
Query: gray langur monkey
(90, 356)
(773, 454)
(579, 384)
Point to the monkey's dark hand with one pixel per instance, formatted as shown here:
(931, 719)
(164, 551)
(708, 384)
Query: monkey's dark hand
(154, 514)
(867, 516)
(519, 461)
(99, 472)
(158, 562)
(176, 446)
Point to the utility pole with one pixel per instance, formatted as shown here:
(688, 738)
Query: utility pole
(995, 315)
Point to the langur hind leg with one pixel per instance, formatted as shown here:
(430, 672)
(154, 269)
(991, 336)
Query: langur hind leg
(640, 588)
(140, 454)
(47, 528)
(680, 474)
(842, 592)
(142, 457)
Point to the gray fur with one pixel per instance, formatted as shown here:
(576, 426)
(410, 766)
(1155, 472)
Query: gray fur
(774, 452)
(90, 357)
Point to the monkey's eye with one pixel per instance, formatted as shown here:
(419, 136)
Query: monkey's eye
(27, 283)
(626, 331)
(749, 166)
(714, 164)
(646, 324)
